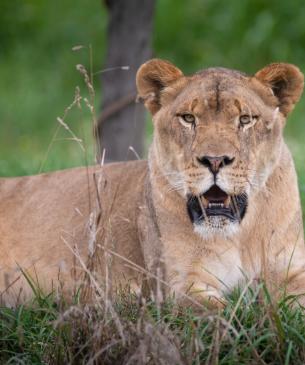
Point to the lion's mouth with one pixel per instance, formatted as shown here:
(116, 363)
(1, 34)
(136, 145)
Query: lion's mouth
(216, 202)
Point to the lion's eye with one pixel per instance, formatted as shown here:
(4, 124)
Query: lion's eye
(188, 118)
(245, 119)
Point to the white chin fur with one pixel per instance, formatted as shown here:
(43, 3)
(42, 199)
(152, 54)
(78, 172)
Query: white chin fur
(216, 227)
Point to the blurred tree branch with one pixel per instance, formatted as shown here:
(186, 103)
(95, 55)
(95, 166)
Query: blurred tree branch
(122, 121)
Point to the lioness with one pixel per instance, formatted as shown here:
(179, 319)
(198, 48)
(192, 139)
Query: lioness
(215, 205)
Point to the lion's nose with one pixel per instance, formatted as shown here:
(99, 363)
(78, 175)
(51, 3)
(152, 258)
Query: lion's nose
(215, 163)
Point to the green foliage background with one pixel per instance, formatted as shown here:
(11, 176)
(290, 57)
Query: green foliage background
(38, 74)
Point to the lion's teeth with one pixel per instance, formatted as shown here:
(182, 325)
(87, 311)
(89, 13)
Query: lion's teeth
(215, 205)
(227, 202)
(204, 202)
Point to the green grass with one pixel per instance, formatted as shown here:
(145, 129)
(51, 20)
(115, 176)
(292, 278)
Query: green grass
(38, 79)
(250, 330)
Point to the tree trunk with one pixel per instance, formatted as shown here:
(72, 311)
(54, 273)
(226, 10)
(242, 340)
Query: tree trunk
(122, 121)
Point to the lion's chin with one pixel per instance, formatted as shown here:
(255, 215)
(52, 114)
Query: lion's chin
(216, 226)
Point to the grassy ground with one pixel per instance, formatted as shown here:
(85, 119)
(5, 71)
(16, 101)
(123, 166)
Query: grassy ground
(251, 330)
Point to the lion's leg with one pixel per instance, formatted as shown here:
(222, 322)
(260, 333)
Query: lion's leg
(195, 289)
(295, 284)
(291, 262)
(203, 274)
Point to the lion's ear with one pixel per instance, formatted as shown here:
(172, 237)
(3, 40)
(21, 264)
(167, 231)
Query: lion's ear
(286, 82)
(152, 77)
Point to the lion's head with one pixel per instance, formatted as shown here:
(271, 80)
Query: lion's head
(218, 134)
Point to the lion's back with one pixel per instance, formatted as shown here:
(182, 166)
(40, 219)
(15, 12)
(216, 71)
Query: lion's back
(43, 217)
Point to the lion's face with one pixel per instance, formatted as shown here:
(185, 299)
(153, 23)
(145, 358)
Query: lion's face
(218, 135)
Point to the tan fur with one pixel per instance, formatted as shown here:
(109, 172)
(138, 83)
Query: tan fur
(138, 210)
